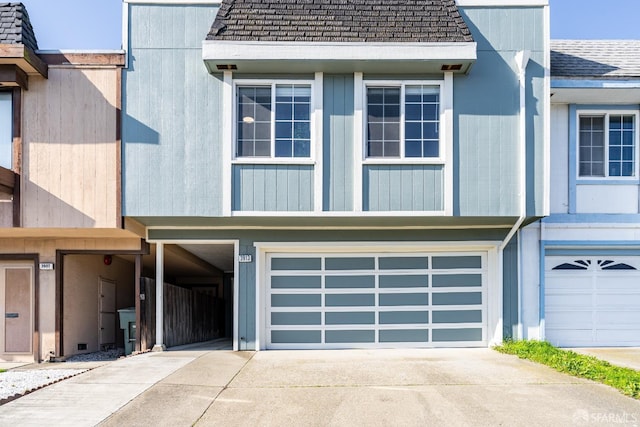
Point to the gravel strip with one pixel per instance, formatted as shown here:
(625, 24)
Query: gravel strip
(14, 383)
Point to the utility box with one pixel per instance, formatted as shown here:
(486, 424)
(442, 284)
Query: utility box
(128, 324)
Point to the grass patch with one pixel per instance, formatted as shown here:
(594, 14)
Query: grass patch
(624, 379)
(2, 370)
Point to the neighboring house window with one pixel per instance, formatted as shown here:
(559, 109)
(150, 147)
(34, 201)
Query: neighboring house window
(607, 145)
(6, 133)
(403, 121)
(273, 120)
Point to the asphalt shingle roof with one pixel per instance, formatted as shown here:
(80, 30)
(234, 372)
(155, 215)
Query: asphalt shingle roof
(15, 26)
(340, 21)
(616, 59)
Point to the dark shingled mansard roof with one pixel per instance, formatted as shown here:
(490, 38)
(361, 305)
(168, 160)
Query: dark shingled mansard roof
(617, 59)
(340, 21)
(15, 26)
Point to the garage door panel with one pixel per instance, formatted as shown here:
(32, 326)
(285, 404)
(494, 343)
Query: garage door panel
(350, 300)
(365, 263)
(361, 300)
(623, 299)
(296, 282)
(405, 299)
(351, 336)
(345, 282)
(457, 316)
(461, 334)
(403, 317)
(568, 301)
(403, 263)
(350, 318)
(574, 318)
(619, 318)
(456, 262)
(296, 264)
(296, 300)
(296, 318)
(404, 281)
(457, 280)
(457, 298)
(404, 335)
(595, 304)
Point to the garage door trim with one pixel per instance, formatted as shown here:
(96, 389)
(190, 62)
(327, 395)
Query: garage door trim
(490, 306)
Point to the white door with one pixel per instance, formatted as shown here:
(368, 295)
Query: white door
(376, 300)
(16, 300)
(107, 313)
(592, 301)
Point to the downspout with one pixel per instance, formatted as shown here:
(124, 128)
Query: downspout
(521, 59)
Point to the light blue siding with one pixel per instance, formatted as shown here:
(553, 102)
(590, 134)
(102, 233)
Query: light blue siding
(403, 188)
(486, 109)
(338, 161)
(171, 127)
(272, 188)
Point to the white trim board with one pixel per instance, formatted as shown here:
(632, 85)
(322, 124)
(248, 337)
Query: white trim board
(333, 51)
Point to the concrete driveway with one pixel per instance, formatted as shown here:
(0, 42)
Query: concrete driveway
(348, 387)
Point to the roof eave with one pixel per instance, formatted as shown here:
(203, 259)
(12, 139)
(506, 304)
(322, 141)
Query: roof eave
(273, 56)
(23, 57)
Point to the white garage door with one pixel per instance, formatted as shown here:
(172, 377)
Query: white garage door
(592, 301)
(374, 300)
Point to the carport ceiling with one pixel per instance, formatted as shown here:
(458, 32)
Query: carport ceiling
(220, 256)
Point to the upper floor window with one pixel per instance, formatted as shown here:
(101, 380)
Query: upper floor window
(6, 133)
(607, 145)
(273, 120)
(403, 120)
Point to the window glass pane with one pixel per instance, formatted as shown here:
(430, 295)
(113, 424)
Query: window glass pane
(253, 127)
(615, 169)
(383, 121)
(293, 120)
(621, 145)
(627, 122)
(422, 123)
(302, 148)
(627, 153)
(615, 153)
(283, 148)
(413, 148)
(591, 152)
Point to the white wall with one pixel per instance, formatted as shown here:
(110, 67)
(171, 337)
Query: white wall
(530, 286)
(559, 158)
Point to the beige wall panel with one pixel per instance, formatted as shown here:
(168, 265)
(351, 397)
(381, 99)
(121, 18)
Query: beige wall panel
(6, 213)
(81, 303)
(70, 149)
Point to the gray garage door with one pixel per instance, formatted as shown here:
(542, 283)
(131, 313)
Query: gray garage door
(366, 300)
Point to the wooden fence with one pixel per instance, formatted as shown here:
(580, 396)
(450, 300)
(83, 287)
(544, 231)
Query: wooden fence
(189, 316)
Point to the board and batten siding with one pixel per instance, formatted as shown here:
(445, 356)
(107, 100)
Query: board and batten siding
(486, 109)
(172, 114)
(70, 174)
(272, 188)
(338, 161)
(403, 188)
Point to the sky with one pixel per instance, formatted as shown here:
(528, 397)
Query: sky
(97, 24)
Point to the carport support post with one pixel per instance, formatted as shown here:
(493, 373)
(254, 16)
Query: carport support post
(159, 346)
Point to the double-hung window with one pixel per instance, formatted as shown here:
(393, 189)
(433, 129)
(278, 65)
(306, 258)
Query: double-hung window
(403, 120)
(607, 145)
(6, 135)
(273, 120)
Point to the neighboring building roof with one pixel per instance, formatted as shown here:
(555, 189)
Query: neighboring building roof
(15, 26)
(617, 59)
(340, 21)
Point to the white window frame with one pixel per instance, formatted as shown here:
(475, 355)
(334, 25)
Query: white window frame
(606, 114)
(272, 159)
(402, 84)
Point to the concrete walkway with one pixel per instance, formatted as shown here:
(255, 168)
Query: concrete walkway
(349, 387)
